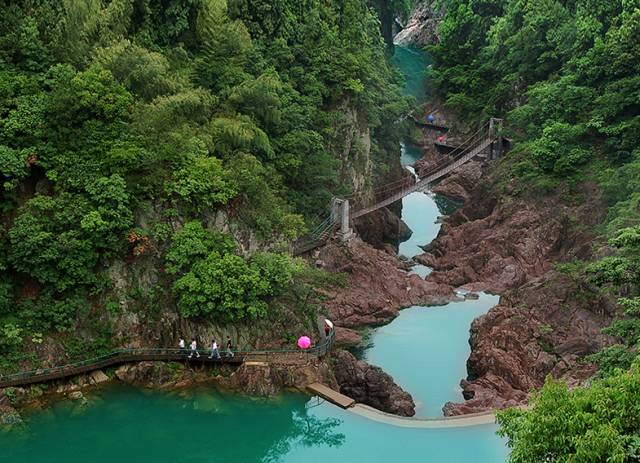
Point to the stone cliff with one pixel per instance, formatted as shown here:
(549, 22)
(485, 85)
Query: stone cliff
(506, 243)
(422, 26)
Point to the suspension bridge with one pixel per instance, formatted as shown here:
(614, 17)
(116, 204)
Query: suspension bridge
(485, 141)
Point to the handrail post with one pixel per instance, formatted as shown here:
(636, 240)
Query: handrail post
(495, 126)
(340, 214)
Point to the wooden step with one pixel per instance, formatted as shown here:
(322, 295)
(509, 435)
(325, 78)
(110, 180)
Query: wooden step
(332, 396)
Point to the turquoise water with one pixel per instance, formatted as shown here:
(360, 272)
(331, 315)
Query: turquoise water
(414, 65)
(419, 212)
(123, 424)
(425, 349)
(409, 154)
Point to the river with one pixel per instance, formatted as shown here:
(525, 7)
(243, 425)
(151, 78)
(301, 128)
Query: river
(425, 349)
(202, 426)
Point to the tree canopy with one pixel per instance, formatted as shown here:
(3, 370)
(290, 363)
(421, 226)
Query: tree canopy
(123, 124)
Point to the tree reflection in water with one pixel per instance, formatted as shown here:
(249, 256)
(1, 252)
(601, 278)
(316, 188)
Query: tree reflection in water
(307, 431)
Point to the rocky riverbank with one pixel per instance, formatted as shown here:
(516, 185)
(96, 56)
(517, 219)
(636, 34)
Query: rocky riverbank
(421, 28)
(378, 286)
(506, 244)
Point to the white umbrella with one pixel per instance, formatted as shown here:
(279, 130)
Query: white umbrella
(328, 322)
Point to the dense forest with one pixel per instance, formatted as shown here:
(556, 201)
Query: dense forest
(566, 77)
(129, 130)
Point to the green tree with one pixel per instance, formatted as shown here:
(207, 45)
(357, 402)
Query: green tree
(193, 243)
(203, 182)
(226, 287)
(598, 423)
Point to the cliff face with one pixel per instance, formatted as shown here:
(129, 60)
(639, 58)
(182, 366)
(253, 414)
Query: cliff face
(505, 244)
(140, 282)
(422, 26)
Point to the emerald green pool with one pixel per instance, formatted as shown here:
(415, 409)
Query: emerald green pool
(122, 424)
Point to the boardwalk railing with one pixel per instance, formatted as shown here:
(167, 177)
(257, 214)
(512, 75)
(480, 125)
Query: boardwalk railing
(121, 356)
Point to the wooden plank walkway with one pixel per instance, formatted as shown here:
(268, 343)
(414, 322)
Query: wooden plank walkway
(115, 359)
(462, 421)
(332, 396)
(134, 355)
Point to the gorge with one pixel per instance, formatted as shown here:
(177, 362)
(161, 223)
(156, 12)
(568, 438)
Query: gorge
(161, 161)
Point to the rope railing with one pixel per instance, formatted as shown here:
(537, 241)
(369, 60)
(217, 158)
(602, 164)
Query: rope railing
(475, 144)
(126, 355)
(362, 203)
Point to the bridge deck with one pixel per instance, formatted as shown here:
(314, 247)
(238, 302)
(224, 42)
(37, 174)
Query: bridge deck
(474, 419)
(427, 124)
(424, 182)
(332, 396)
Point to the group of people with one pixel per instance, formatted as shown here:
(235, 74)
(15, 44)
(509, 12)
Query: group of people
(215, 350)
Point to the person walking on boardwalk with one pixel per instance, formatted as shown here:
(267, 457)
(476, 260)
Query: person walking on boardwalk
(194, 349)
(214, 350)
(181, 346)
(229, 347)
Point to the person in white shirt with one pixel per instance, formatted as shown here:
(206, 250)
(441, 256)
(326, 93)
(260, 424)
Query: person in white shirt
(181, 346)
(214, 350)
(194, 349)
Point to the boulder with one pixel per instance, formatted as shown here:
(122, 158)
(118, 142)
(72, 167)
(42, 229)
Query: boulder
(378, 285)
(76, 395)
(9, 416)
(346, 337)
(98, 377)
(370, 385)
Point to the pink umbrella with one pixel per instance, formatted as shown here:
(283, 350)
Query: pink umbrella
(304, 342)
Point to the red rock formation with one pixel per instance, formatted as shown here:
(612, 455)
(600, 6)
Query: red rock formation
(378, 285)
(506, 244)
(370, 385)
(537, 330)
(512, 244)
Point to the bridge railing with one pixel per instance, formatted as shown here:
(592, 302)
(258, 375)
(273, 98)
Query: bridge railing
(316, 237)
(125, 355)
(394, 191)
(360, 204)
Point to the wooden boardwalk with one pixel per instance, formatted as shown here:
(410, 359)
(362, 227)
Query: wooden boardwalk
(332, 396)
(116, 358)
(133, 355)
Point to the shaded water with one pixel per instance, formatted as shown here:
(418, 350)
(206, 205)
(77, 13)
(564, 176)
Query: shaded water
(126, 425)
(413, 65)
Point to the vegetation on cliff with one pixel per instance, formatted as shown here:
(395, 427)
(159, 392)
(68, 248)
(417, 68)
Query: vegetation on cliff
(122, 121)
(565, 76)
